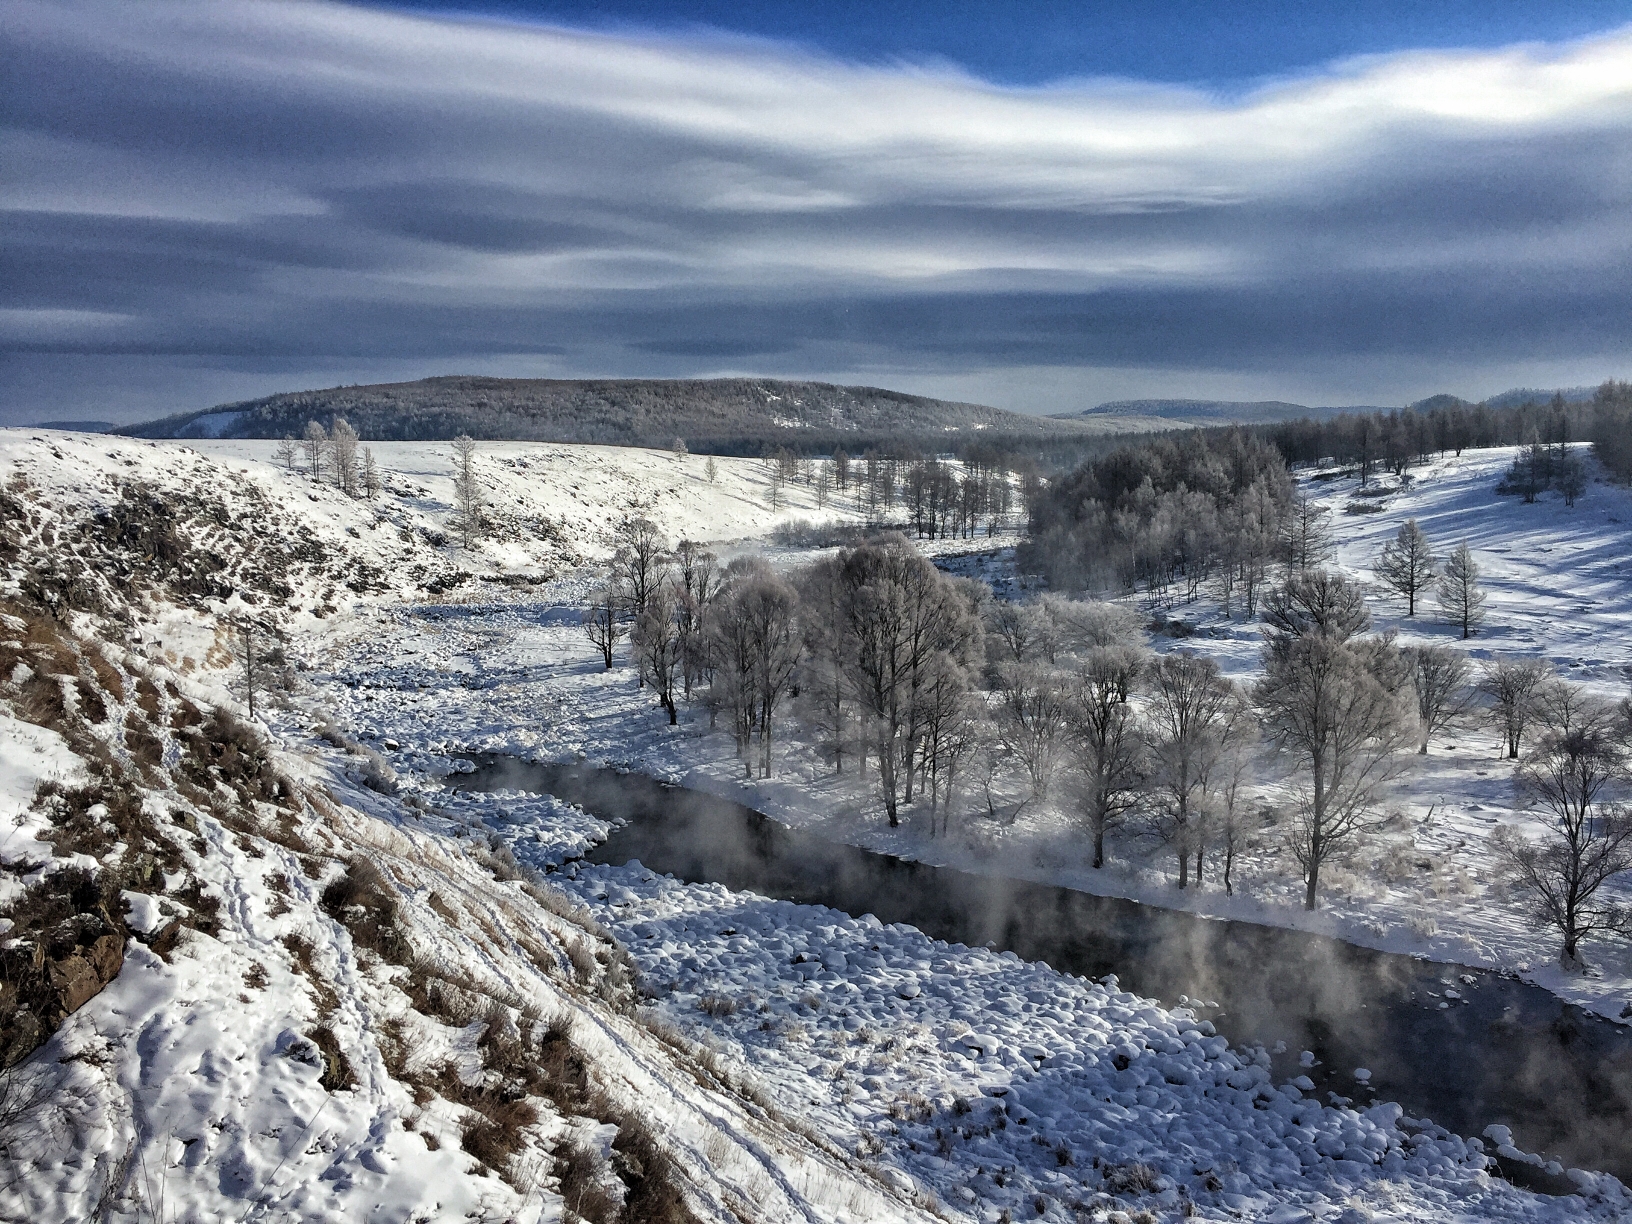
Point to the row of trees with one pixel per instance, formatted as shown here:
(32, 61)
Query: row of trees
(334, 451)
(940, 498)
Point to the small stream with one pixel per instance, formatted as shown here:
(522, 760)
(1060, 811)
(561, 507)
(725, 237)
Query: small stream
(1464, 1047)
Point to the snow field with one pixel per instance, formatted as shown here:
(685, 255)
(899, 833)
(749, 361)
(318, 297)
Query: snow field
(426, 685)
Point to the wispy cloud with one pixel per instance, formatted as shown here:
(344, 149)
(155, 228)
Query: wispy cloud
(320, 184)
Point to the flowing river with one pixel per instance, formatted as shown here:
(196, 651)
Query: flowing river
(1464, 1047)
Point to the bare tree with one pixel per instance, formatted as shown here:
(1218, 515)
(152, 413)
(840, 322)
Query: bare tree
(1407, 564)
(1188, 718)
(467, 491)
(1109, 754)
(1562, 707)
(1512, 686)
(641, 563)
(1228, 819)
(897, 614)
(1460, 597)
(1439, 680)
(343, 451)
(1315, 601)
(826, 707)
(1306, 537)
(603, 623)
(656, 639)
(286, 452)
(1322, 705)
(1012, 631)
(946, 729)
(315, 443)
(769, 605)
(697, 576)
(1030, 719)
(1571, 776)
(711, 469)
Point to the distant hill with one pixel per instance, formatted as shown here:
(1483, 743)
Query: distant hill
(728, 415)
(1526, 395)
(1207, 412)
(76, 426)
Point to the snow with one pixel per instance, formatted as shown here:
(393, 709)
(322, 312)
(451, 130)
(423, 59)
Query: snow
(838, 1069)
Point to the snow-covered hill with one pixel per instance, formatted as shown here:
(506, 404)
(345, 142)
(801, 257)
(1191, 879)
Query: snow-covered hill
(348, 993)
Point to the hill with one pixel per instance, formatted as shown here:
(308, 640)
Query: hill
(726, 415)
(1171, 412)
(77, 426)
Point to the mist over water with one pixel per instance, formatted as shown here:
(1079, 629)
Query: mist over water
(1502, 1052)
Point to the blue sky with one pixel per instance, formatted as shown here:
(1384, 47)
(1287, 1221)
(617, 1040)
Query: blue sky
(1033, 42)
(1042, 209)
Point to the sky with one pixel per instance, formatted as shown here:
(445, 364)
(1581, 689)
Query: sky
(1036, 205)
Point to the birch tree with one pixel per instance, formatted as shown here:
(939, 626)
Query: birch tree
(1326, 709)
(1572, 777)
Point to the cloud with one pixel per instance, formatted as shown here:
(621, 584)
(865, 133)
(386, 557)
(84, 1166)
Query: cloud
(332, 189)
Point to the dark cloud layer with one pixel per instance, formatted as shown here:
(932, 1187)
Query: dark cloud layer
(256, 196)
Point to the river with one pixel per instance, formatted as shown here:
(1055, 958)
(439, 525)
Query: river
(1464, 1047)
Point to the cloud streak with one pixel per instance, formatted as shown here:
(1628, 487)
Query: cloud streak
(272, 191)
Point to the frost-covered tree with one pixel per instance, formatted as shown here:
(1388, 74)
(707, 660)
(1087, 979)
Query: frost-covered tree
(1031, 718)
(897, 614)
(770, 606)
(1573, 777)
(1188, 718)
(1316, 601)
(697, 577)
(1306, 536)
(1324, 704)
(1107, 751)
(1572, 478)
(656, 640)
(1013, 631)
(949, 726)
(1439, 681)
(343, 454)
(841, 468)
(640, 563)
(1460, 597)
(603, 622)
(1512, 686)
(711, 469)
(286, 452)
(755, 649)
(371, 480)
(1407, 565)
(678, 447)
(825, 704)
(468, 494)
(315, 442)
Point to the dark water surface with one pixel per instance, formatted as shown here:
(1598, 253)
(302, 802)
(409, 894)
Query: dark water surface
(1504, 1052)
